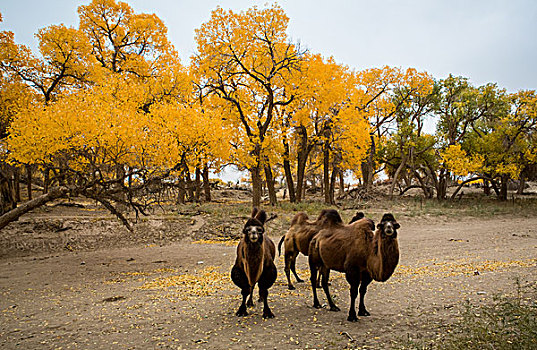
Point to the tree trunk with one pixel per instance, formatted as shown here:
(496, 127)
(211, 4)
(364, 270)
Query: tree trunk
(486, 187)
(332, 188)
(431, 174)
(288, 173)
(256, 186)
(197, 184)
(189, 186)
(368, 167)
(46, 180)
(427, 191)
(17, 184)
(304, 188)
(503, 188)
(442, 188)
(12, 215)
(7, 200)
(129, 178)
(29, 181)
(302, 159)
(206, 183)
(120, 175)
(495, 188)
(181, 196)
(396, 175)
(300, 179)
(521, 185)
(341, 184)
(336, 172)
(270, 185)
(326, 172)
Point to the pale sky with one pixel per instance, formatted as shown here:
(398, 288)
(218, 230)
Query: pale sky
(483, 40)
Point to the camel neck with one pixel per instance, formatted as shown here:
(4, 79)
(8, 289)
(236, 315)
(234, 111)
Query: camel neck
(254, 260)
(383, 262)
(254, 246)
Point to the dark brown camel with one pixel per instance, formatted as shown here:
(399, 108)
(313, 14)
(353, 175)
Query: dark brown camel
(363, 255)
(298, 237)
(255, 262)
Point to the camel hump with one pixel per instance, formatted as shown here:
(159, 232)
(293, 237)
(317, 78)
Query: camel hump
(329, 217)
(359, 215)
(299, 219)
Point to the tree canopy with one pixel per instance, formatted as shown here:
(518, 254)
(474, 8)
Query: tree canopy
(108, 111)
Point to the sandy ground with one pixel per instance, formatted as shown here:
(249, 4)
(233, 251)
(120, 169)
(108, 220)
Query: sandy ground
(68, 289)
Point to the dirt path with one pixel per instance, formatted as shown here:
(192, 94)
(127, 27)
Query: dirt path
(180, 296)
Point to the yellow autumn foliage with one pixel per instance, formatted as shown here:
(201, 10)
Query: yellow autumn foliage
(105, 125)
(246, 61)
(87, 126)
(113, 92)
(457, 161)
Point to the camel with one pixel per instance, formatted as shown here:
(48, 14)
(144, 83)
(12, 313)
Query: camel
(363, 255)
(298, 237)
(255, 263)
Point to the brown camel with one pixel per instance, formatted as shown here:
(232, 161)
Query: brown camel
(255, 263)
(363, 255)
(298, 237)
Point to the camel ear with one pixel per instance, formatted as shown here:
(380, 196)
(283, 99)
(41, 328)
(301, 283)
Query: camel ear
(379, 225)
(261, 216)
(396, 226)
(255, 211)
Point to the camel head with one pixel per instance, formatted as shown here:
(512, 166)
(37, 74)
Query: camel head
(253, 229)
(388, 226)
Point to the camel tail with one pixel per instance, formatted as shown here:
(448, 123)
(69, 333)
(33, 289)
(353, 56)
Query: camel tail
(280, 245)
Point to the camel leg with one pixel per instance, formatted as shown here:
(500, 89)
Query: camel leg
(260, 299)
(242, 309)
(267, 279)
(239, 278)
(267, 313)
(293, 268)
(354, 282)
(319, 280)
(366, 279)
(250, 302)
(290, 257)
(313, 280)
(325, 272)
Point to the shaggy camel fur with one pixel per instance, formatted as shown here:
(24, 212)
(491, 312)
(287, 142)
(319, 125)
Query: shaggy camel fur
(255, 262)
(363, 255)
(298, 237)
